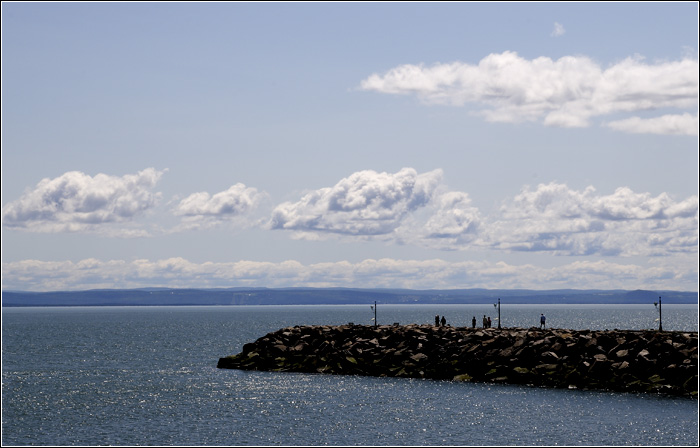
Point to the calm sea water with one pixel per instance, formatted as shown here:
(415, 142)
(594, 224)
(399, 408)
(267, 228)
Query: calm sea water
(148, 376)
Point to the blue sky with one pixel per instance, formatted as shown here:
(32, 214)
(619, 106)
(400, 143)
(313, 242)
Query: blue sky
(417, 145)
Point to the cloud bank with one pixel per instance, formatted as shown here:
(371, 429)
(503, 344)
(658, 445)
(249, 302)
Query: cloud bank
(77, 202)
(371, 273)
(406, 208)
(403, 208)
(567, 92)
(553, 218)
(418, 209)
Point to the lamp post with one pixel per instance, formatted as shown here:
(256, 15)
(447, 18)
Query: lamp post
(659, 308)
(499, 312)
(375, 313)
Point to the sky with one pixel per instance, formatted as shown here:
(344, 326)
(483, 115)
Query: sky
(368, 145)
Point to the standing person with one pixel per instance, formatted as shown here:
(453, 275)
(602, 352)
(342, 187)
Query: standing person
(443, 321)
(488, 321)
(543, 319)
(473, 321)
(484, 321)
(437, 320)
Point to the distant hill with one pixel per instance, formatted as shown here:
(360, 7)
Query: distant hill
(334, 296)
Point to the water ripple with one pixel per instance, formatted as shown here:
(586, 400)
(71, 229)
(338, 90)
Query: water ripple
(149, 377)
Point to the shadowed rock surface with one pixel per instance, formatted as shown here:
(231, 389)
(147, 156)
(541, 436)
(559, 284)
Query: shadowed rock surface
(621, 360)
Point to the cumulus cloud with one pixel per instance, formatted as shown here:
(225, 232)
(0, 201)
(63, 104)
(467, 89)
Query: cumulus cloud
(408, 208)
(685, 124)
(76, 201)
(558, 30)
(448, 222)
(203, 209)
(567, 92)
(455, 217)
(366, 203)
(371, 273)
(557, 219)
(237, 200)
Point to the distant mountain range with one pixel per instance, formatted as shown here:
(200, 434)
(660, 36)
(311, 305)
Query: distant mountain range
(335, 296)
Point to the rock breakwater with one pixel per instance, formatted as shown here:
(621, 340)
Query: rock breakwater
(620, 360)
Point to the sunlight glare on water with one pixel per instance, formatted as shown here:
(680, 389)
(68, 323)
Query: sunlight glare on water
(138, 376)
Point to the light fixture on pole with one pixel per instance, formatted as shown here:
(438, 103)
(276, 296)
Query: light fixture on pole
(658, 306)
(375, 312)
(499, 312)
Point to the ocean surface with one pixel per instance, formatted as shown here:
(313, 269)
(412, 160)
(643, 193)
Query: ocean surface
(148, 376)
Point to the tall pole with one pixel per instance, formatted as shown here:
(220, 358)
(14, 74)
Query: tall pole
(660, 327)
(375, 314)
(499, 313)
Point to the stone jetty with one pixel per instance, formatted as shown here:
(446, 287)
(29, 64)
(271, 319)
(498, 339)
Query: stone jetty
(620, 360)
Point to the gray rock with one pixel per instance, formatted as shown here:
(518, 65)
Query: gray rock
(636, 361)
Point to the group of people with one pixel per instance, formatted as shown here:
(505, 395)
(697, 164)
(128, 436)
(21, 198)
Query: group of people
(486, 321)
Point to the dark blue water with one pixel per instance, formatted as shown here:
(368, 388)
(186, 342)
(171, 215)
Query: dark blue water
(148, 376)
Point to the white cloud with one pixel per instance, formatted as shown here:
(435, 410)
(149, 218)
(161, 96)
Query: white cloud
(370, 273)
(685, 124)
(556, 219)
(237, 200)
(558, 30)
(449, 222)
(366, 203)
(567, 92)
(77, 202)
(405, 208)
(202, 209)
(455, 217)
(551, 219)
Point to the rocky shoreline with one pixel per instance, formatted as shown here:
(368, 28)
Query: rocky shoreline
(619, 360)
